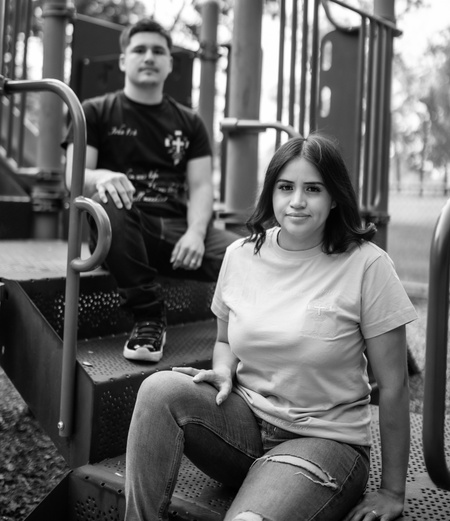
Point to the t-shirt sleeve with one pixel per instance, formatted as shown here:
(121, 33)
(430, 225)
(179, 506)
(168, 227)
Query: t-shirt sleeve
(218, 306)
(200, 145)
(385, 304)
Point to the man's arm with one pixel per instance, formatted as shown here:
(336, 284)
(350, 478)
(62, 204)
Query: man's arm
(101, 181)
(188, 252)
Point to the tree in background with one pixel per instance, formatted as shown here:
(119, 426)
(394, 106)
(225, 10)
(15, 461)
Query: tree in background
(410, 122)
(420, 102)
(437, 101)
(116, 11)
(421, 114)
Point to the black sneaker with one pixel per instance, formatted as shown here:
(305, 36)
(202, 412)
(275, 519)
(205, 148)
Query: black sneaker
(146, 341)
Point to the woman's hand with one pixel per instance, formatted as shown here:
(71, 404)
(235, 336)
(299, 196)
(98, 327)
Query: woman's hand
(221, 380)
(381, 505)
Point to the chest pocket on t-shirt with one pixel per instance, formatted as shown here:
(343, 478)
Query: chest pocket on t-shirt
(320, 318)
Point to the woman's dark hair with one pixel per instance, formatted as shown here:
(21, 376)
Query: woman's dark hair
(343, 226)
(144, 25)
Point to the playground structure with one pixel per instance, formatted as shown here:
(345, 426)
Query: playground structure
(67, 364)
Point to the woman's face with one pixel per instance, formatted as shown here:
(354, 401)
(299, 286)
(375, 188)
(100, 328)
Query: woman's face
(301, 205)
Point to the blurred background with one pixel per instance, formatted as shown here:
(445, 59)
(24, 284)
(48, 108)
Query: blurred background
(420, 102)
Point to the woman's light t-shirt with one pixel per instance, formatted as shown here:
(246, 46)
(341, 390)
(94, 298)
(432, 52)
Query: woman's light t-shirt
(297, 323)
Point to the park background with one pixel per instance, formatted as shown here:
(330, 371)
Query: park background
(419, 182)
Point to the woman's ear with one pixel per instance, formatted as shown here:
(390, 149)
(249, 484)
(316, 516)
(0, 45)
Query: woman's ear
(333, 204)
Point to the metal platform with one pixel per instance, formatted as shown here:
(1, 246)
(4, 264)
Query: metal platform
(106, 383)
(35, 259)
(97, 491)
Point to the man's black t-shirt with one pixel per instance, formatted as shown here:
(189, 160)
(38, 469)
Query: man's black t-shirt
(150, 143)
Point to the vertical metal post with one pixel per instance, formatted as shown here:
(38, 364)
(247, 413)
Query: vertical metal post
(303, 68)
(245, 74)
(2, 22)
(280, 86)
(292, 79)
(208, 56)
(26, 16)
(3, 28)
(50, 186)
(314, 91)
(384, 9)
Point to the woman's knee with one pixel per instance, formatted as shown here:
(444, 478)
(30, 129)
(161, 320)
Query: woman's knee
(162, 383)
(164, 389)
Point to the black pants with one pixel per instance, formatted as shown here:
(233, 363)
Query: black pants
(141, 247)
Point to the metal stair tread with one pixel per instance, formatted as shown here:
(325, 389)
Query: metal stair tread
(199, 497)
(102, 358)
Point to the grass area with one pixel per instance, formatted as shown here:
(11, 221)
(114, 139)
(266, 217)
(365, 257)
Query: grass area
(410, 233)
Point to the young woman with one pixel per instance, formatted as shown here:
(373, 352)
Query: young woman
(283, 415)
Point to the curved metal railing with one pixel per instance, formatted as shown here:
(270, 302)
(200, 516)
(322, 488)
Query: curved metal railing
(436, 353)
(75, 264)
(251, 125)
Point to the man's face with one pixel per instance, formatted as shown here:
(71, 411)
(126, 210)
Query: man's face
(147, 59)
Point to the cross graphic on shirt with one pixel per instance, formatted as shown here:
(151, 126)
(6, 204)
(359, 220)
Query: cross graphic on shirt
(177, 142)
(176, 145)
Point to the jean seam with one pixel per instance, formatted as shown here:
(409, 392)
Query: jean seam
(174, 469)
(203, 423)
(349, 474)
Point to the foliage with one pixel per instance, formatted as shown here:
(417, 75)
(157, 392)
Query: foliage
(410, 117)
(420, 102)
(116, 11)
(437, 101)
(421, 106)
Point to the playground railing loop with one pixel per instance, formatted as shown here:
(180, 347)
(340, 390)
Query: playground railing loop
(75, 264)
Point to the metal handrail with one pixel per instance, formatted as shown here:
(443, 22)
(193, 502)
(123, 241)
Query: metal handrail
(436, 353)
(362, 13)
(252, 125)
(75, 264)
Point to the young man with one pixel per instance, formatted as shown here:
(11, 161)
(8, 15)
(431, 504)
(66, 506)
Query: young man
(148, 163)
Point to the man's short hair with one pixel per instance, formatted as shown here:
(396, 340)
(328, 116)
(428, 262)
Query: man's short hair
(144, 25)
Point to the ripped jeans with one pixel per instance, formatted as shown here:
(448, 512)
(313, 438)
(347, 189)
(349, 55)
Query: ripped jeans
(278, 475)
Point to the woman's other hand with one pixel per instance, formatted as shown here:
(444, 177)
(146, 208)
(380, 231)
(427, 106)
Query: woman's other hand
(221, 380)
(381, 505)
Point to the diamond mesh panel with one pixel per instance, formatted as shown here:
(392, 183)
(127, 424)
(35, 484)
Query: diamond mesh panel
(117, 380)
(99, 310)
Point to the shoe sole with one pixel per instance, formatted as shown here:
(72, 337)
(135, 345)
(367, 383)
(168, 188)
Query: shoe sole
(143, 354)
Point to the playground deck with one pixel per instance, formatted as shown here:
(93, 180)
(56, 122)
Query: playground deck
(108, 385)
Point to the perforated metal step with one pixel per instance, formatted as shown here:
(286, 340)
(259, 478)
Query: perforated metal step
(111, 382)
(106, 383)
(97, 491)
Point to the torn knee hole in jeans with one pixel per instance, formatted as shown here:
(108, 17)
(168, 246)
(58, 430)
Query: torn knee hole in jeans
(310, 470)
(249, 516)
